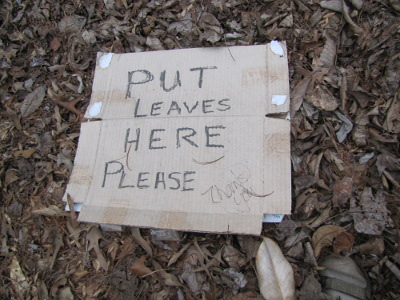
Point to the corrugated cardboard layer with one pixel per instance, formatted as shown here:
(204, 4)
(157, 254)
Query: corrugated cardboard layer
(187, 221)
(277, 167)
(276, 148)
(184, 142)
(245, 77)
(211, 172)
(84, 163)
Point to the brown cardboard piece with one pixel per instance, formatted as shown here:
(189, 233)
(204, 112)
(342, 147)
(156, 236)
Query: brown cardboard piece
(185, 141)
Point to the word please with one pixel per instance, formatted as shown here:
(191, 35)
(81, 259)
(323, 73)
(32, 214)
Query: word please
(145, 180)
(184, 135)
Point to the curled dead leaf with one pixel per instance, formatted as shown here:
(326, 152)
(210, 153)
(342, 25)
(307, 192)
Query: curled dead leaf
(324, 236)
(343, 242)
(274, 272)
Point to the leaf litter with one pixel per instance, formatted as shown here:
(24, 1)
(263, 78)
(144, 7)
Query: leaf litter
(344, 76)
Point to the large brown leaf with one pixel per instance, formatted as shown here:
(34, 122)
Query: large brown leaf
(324, 236)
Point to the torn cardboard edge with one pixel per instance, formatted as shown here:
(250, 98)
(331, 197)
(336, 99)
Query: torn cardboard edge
(259, 73)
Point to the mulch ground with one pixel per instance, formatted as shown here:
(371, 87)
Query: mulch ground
(344, 61)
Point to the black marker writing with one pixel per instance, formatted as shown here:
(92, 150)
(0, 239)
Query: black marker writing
(146, 76)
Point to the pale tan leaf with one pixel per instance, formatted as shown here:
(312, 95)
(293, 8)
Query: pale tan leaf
(274, 272)
(24, 153)
(18, 278)
(93, 237)
(324, 236)
(51, 211)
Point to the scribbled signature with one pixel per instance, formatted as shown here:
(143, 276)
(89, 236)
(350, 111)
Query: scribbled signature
(237, 190)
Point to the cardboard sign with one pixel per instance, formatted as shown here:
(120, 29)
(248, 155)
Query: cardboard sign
(188, 140)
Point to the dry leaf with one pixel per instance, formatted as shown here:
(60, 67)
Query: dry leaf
(18, 278)
(324, 236)
(343, 242)
(32, 101)
(93, 237)
(139, 268)
(11, 176)
(335, 5)
(65, 294)
(374, 246)
(246, 296)
(24, 153)
(57, 244)
(346, 127)
(298, 94)
(154, 43)
(274, 272)
(51, 211)
(342, 191)
(360, 135)
(233, 257)
(168, 278)
(177, 255)
(128, 248)
(71, 24)
(135, 231)
(238, 278)
(183, 26)
(326, 60)
(311, 289)
(370, 216)
(322, 98)
(55, 44)
(393, 114)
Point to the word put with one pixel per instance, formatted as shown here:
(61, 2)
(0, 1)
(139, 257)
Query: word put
(144, 76)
